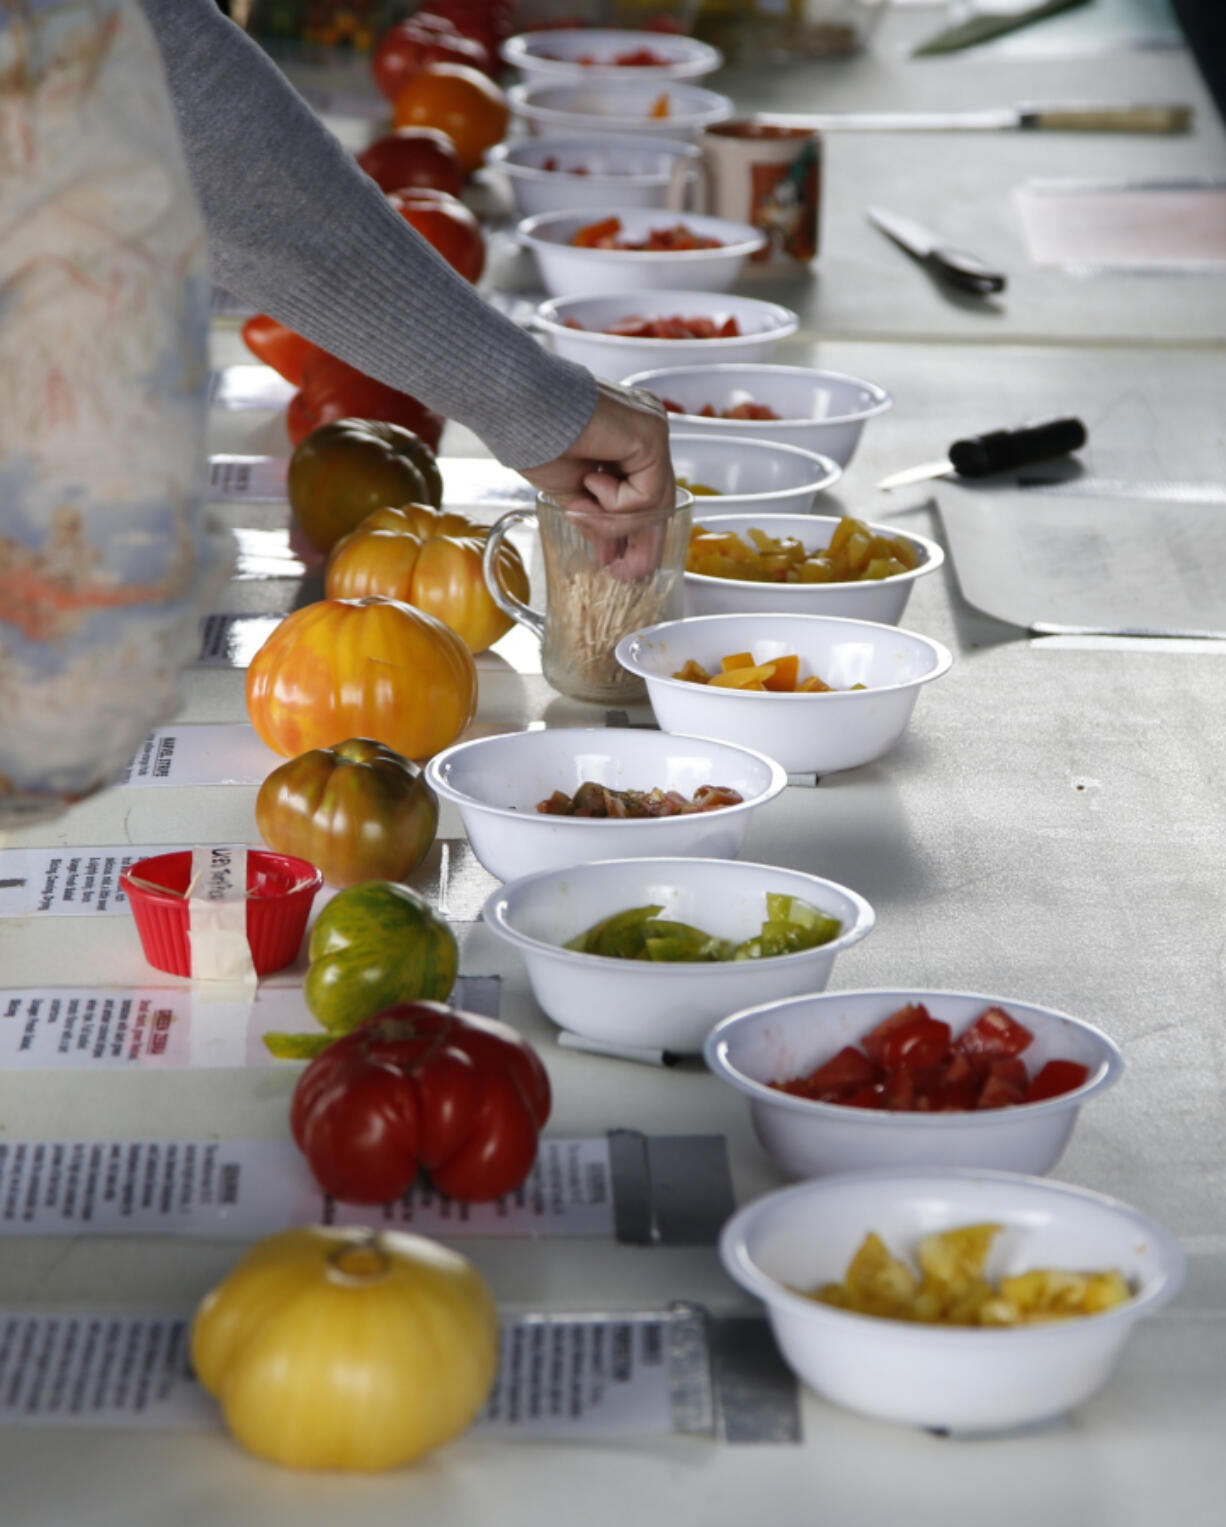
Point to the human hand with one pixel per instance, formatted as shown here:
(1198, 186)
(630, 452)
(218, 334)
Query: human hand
(619, 465)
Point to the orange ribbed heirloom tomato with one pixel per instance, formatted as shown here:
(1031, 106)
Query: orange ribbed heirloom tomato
(431, 560)
(361, 668)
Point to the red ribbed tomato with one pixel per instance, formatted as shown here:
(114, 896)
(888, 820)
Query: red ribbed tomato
(413, 156)
(332, 389)
(448, 224)
(361, 668)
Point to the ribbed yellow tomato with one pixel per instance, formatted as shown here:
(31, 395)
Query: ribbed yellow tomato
(430, 560)
(361, 668)
(342, 1349)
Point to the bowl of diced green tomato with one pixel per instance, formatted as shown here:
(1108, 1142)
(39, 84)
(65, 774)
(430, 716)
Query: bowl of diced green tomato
(654, 952)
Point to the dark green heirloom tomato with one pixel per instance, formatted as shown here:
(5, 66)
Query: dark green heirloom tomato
(345, 470)
(374, 945)
(358, 811)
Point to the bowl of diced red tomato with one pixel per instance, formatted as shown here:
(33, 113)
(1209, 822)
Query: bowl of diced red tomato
(637, 249)
(570, 55)
(617, 333)
(844, 1080)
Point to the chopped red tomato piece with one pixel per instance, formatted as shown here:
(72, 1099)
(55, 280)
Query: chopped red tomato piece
(994, 1033)
(1007, 1083)
(847, 1071)
(872, 1042)
(1056, 1077)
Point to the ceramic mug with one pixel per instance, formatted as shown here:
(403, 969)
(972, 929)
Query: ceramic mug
(770, 177)
(605, 576)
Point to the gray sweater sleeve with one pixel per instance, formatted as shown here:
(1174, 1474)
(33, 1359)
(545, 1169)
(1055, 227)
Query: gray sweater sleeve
(299, 231)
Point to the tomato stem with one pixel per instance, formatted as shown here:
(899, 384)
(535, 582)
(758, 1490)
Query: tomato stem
(360, 1261)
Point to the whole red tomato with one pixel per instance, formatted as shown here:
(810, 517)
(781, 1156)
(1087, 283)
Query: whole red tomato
(413, 157)
(331, 389)
(422, 1086)
(448, 224)
(286, 352)
(411, 45)
(491, 21)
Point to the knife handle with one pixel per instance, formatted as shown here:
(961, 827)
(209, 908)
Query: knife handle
(980, 455)
(1107, 119)
(964, 270)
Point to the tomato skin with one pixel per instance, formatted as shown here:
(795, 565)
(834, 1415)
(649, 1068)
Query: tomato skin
(439, 570)
(994, 1033)
(410, 45)
(361, 668)
(413, 156)
(357, 811)
(279, 347)
(447, 224)
(1055, 1078)
(345, 470)
(422, 1085)
(332, 389)
(462, 102)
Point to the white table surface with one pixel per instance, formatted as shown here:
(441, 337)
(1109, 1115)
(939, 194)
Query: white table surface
(1053, 827)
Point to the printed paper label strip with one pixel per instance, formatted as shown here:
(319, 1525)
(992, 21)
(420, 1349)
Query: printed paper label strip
(578, 1187)
(571, 1376)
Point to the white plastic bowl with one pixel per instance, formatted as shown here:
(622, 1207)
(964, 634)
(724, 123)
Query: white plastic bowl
(819, 410)
(617, 106)
(635, 171)
(878, 599)
(554, 55)
(567, 271)
(496, 783)
(751, 474)
(820, 733)
(781, 1040)
(956, 1379)
(639, 1002)
(616, 356)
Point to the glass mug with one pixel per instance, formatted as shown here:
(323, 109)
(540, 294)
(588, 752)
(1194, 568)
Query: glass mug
(605, 576)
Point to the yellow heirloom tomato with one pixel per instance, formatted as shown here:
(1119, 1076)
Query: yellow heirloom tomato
(343, 1349)
(361, 668)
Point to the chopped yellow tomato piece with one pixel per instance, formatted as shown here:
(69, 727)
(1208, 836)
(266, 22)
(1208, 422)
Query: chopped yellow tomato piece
(737, 660)
(744, 678)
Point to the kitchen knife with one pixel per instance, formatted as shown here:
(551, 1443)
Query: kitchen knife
(958, 267)
(1072, 116)
(981, 455)
(982, 25)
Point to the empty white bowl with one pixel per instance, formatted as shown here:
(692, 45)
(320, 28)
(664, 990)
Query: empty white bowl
(496, 783)
(618, 172)
(814, 732)
(556, 55)
(609, 105)
(641, 1002)
(616, 356)
(819, 410)
(570, 271)
(750, 474)
(947, 1378)
(781, 1040)
(878, 599)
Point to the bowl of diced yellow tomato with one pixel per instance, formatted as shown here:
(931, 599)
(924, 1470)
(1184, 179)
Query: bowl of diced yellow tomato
(817, 693)
(952, 1299)
(803, 564)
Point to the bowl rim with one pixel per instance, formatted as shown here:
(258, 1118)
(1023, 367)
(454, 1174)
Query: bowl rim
(777, 783)
(500, 155)
(1109, 1070)
(934, 557)
(493, 913)
(788, 321)
(738, 248)
(833, 471)
(734, 1254)
(943, 657)
(700, 57)
(881, 403)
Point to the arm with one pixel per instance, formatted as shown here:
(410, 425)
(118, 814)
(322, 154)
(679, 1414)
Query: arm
(297, 229)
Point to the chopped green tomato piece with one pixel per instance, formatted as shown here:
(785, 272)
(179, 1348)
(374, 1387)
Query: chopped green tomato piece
(791, 925)
(297, 1046)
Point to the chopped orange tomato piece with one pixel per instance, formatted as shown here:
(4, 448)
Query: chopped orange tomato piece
(660, 107)
(784, 677)
(744, 678)
(814, 686)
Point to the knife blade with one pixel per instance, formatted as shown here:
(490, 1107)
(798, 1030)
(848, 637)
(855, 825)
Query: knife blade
(1028, 116)
(997, 451)
(958, 267)
(982, 26)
